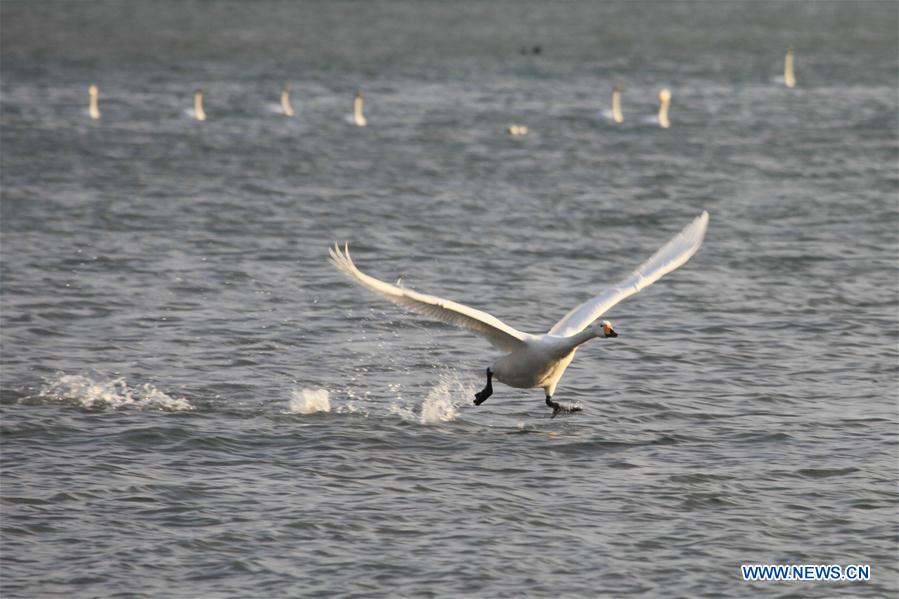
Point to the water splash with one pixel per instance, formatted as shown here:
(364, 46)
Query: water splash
(439, 405)
(443, 401)
(114, 394)
(310, 401)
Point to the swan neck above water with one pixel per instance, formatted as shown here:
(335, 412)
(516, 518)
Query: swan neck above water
(199, 113)
(616, 106)
(573, 342)
(664, 101)
(286, 107)
(94, 107)
(789, 75)
(358, 117)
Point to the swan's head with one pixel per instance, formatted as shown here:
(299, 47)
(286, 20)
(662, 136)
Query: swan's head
(92, 90)
(664, 95)
(605, 329)
(359, 94)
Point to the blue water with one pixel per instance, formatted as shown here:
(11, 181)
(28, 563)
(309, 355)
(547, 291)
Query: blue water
(196, 404)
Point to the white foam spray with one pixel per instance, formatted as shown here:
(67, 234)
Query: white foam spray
(442, 402)
(310, 401)
(114, 394)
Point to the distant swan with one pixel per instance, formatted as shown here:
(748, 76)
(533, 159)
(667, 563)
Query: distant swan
(536, 360)
(517, 130)
(664, 101)
(286, 108)
(358, 117)
(789, 75)
(616, 105)
(199, 113)
(94, 109)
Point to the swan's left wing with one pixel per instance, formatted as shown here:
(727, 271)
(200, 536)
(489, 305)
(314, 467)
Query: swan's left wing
(672, 255)
(498, 333)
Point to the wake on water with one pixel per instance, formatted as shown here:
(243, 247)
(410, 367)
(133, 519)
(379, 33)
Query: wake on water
(113, 394)
(441, 403)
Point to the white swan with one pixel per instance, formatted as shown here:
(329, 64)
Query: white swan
(789, 75)
(536, 360)
(517, 130)
(199, 113)
(616, 105)
(664, 101)
(286, 108)
(358, 117)
(94, 109)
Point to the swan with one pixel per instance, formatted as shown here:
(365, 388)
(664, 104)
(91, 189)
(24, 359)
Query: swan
(616, 115)
(94, 109)
(286, 108)
(517, 130)
(358, 117)
(789, 75)
(199, 113)
(532, 361)
(664, 101)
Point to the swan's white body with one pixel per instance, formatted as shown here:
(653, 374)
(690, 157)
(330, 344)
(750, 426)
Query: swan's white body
(789, 75)
(537, 360)
(517, 130)
(94, 109)
(358, 117)
(286, 108)
(199, 113)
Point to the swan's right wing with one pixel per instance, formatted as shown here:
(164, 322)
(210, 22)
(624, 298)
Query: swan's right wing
(672, 255)
(498, 333)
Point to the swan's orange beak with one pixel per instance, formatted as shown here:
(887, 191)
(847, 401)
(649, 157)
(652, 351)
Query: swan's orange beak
(608, 331)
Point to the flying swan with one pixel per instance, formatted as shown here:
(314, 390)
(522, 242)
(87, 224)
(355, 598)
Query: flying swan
(536, 360)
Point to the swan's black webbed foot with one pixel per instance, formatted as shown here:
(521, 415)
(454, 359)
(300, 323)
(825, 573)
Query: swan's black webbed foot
(557, 407)
(481, 396)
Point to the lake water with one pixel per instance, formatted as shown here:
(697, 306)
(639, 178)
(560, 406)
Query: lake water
(195, 403)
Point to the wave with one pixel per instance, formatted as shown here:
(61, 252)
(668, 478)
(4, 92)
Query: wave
(110, 394)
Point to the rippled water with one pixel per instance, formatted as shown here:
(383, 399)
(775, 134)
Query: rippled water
(195, 403)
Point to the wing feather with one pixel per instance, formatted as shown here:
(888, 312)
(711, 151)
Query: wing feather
(498, 333)
(672, 255)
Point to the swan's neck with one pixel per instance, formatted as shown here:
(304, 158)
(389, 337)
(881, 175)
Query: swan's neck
(616, 106)
(789, 76)
(94, 108)
(574, 341)
(286, 108)
(664, 123)
(199, 113)
(357, 111)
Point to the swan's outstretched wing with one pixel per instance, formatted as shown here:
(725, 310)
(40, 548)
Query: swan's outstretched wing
(498, 333)
(672, 255)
